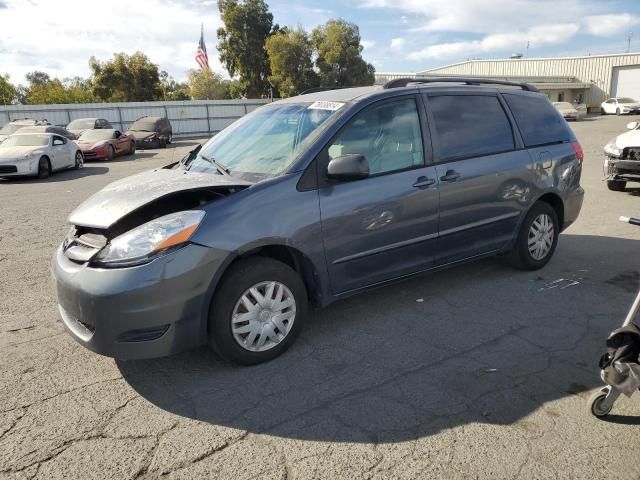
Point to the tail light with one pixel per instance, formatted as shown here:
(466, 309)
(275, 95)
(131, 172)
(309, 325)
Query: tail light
(577, 148)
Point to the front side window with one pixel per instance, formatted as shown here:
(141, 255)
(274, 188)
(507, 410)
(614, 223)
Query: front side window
(470, 126)
(388, 135)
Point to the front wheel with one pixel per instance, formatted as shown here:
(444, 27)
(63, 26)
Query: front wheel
(110, 153)
(537, 238)
(44, 168)
(132, 147)
(257, 312)
(618, 111)
(616, 185)
(79, 160)
(602, 112)
(597, 404)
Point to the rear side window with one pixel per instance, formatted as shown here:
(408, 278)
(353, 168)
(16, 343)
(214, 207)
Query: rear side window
(538, 120)
(470, 126)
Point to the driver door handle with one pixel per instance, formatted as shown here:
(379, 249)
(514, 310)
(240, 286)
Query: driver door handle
(424, 182)
(450, 176)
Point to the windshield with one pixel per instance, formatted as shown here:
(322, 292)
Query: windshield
(264, 143)
(81, 123)
(101, 134)
(626, 100)
(10, 128)
(143, 126)
(26, 141)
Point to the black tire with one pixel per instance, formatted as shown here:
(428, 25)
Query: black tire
(520, 256)
(132, 147)
(79, 161)
(616, 185)
(44, 168)
(241, 276)
(602, 112)
(162, 143)
(618, 112)
(110, 153)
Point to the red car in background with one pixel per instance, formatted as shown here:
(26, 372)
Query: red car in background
(105, 144)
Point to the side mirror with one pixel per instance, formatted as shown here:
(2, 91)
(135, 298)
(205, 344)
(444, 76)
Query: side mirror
(348, 167)
(632, 125)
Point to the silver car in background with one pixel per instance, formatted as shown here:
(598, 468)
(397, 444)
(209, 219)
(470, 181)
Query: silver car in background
(37, 154)
(570, 111)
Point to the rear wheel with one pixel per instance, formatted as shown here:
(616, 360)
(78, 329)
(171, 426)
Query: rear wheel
(163, 143)
(616, 185)
(44, 168)
(537, 238)
(618, 111)
(110, 153)
(257, 312)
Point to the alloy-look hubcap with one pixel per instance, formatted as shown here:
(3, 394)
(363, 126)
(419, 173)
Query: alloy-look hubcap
(541, 236)
(263, 316)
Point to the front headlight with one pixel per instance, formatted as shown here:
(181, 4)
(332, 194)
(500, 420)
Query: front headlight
(612, 149)
(144, 242)
(27, 156)
(150, 139)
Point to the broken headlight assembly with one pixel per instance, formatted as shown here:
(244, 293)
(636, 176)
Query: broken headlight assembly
(612, 149)
(146, 241)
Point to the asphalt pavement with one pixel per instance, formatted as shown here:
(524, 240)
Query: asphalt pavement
(481, 371)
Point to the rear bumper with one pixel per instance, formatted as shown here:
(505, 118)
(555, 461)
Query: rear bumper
(141, 144)
(146, 311)
(572, 206)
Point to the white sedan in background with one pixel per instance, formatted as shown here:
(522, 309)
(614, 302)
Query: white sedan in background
(620, 106)
(37, 154)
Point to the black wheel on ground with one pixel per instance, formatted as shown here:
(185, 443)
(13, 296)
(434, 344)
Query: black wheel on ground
(537, 238)
(132, 147)
(79, 161)
(618, 112)
(602, 112)
(257, 312)
(110, 153)
(616, 185)
(163, 143)
(44, 168)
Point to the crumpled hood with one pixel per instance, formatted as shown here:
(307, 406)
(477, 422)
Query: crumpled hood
(12, 153)
(628, 139)
(138, 135)
(122, 197)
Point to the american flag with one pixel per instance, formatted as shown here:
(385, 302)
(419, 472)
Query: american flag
(201, 53)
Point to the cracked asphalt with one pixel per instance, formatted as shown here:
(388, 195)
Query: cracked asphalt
(477, 372)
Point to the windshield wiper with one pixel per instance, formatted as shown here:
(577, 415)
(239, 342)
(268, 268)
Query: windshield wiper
(216, 164)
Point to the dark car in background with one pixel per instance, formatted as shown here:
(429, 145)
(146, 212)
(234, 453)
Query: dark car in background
(151, 132)
(105, 144)
(79, 125)
(311, 199)
(50, 129)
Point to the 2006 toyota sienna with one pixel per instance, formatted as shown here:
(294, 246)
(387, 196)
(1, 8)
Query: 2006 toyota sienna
(312, 198)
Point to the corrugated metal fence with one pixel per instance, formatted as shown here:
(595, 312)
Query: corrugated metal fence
(188, 119)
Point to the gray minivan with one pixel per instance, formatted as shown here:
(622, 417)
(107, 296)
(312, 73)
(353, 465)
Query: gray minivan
(308, 200)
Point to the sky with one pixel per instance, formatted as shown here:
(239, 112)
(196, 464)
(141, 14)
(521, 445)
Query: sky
(59, 36)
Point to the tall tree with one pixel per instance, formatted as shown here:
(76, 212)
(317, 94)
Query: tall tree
(42, 89)
(241, 42)
(206, 85)
(37, 78)
(173, 90)
(8, 92)
(290, 59)
(126, 78)
(339, 55)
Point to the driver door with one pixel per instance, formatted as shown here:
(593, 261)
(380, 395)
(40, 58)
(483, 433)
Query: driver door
(61, 153)
(384, 226)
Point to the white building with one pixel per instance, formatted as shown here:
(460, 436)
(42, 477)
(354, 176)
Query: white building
(590, 79)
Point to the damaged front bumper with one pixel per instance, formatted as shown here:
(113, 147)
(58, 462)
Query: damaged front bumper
(623, 169)
(146, 311)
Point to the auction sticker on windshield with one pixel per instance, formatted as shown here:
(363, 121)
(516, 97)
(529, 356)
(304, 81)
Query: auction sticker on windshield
(333, 106)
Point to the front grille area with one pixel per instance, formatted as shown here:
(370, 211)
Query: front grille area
(8, 169)
(82, 248)
(89, 154)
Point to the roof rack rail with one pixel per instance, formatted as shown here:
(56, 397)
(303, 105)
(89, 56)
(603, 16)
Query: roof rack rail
(320, 89)
(403, 82)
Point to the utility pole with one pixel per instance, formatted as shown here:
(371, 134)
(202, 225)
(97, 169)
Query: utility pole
(629, 42)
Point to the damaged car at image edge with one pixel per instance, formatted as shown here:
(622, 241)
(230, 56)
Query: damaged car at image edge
(622, 158)
(311, 199)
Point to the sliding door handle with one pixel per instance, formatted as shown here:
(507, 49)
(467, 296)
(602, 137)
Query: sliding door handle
(424, 182)
(450, 176)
